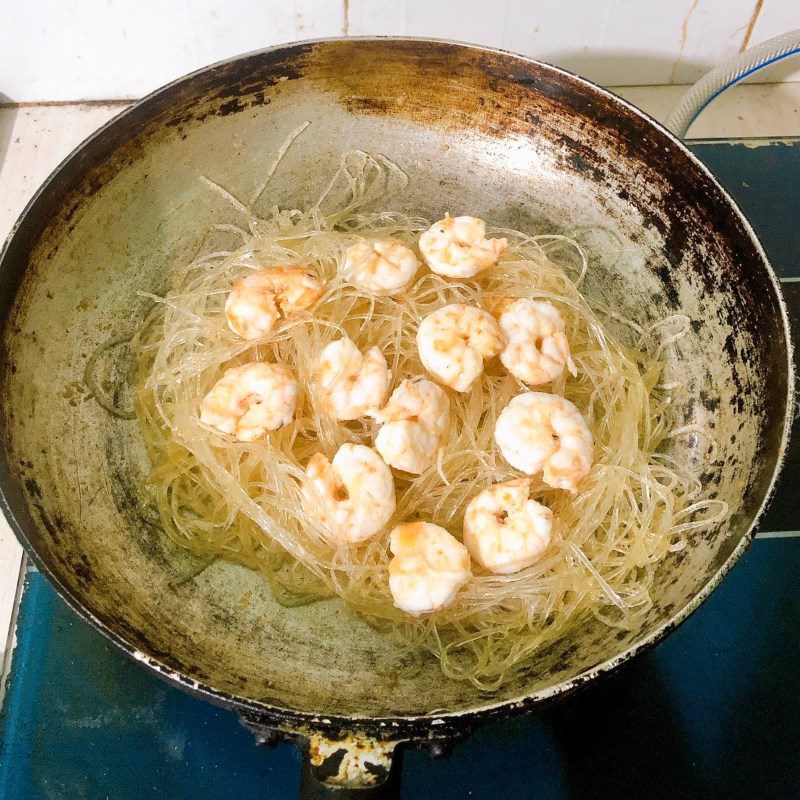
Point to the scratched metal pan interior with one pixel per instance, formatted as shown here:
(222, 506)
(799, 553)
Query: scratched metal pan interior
(517, 142)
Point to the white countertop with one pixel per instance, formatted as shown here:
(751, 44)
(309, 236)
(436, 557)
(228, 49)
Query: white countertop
(34, 139)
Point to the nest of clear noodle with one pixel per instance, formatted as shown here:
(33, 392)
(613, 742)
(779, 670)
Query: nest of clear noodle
(241, 501)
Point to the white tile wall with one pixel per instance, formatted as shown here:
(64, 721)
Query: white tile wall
(101, 49)
(615, 42)
(53, 50)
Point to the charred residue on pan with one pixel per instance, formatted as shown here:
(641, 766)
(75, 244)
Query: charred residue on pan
(233, 86)
(503, 95)
(507, 95)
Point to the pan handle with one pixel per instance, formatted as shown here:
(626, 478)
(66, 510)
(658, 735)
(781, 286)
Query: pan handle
(349, 766)
(355, 767)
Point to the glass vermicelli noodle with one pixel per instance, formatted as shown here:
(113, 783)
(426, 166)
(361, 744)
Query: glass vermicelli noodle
(223, 498)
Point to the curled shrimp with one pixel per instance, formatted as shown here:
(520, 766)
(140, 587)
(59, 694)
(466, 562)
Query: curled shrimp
(536, 349)
(255, 303)
(413, 424)
(539, 432)
(428, 568)
(250, 400)
(457, 247)
(353, 495)
(504, 530)
(380, 266)
(454, 340)
(350, 384)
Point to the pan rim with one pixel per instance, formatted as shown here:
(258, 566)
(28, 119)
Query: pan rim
(423, 723)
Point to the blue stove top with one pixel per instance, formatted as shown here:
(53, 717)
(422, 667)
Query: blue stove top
(712, 712)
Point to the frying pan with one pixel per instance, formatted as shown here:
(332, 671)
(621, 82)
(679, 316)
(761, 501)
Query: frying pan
(478, 131)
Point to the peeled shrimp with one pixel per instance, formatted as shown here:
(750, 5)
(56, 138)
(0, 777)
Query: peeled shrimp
(428, 568)
(257, 301)
(350, 384)
(536, 349)
(457, 247)
(413, 424)
(454, 340)
(504, 530)
(353, 495)
(250, 400)
(381, 266)
(539, 432)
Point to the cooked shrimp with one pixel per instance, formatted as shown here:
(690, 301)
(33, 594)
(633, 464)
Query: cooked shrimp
(454, 340)
(353, 495)
(250, 400)
(504, 530)
(428, 568)
(350, 384)
(457, 247)
(381, 266)
(413, 424)
(536, 349)
(257, 300)
(545, 432)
